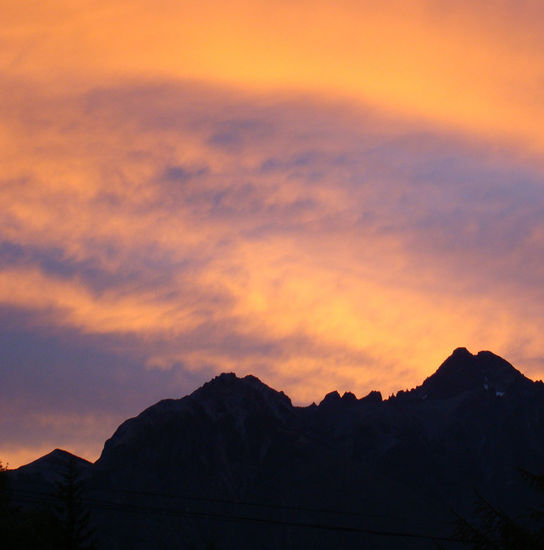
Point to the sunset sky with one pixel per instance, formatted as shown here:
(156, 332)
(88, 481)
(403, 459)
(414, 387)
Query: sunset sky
(327, 195)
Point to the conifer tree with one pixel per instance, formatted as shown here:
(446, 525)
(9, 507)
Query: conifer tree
(494, 529)
(74, 517)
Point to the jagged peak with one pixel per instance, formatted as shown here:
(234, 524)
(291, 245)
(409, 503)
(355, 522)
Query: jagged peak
(229, 387)
(347, 398)
(463, 371)
(461, 352)
(222, 378)
(331, 397)
(373, 397)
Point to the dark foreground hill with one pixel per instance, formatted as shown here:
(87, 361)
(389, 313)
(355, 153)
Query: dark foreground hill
(235, 465)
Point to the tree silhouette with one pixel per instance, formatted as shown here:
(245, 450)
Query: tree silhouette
(40, 524)
(494, 529)
(3, 489)
(74, 517)
(25, 529)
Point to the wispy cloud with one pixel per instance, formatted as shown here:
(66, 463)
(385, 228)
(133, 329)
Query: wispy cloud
(185, 217)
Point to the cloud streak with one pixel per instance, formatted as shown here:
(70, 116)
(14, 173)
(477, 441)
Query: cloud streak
(476, 68)
(166, 219)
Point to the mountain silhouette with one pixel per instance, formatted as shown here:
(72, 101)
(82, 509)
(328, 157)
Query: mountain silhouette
(50, 467)
(236, 465)
(463, 372)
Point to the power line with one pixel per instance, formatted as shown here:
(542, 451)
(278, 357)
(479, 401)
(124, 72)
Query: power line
(29, 496)
(273, 506)
(215, 500)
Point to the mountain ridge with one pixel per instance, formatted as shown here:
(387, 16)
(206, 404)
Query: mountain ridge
(415, 456)
(223, 384)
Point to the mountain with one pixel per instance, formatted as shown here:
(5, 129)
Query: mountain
(464, 372)
(49, 467)
(236, 465)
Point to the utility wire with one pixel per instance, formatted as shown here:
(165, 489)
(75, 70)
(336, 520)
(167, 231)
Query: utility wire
(29, 496)
(273, 506)
(285, 507)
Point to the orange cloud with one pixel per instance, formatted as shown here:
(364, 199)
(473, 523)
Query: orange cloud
(267, 222)
(74, 432)
(473, 67)
(325, 195)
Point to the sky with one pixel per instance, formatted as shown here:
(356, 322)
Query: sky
(327, 195)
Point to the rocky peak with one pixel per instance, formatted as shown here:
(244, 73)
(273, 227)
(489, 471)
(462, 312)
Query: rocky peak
(51, 467)
(462, 371)
(373, 397)
(330, 398)
(57, 457)
(228, 393)
(333, 398)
